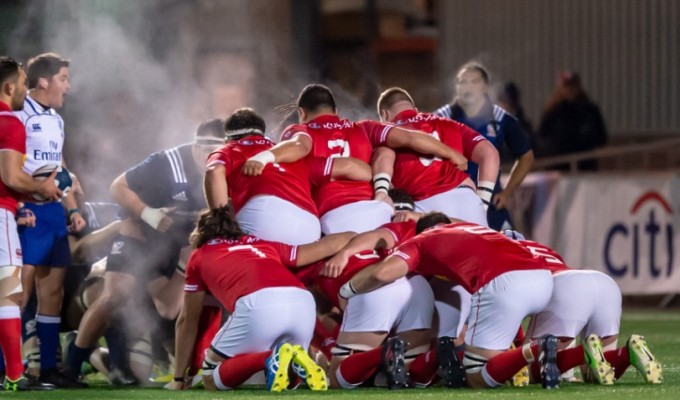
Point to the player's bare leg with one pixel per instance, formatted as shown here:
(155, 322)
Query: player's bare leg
(27, 282)
(356, 344)
(118, 288)
(10, 332)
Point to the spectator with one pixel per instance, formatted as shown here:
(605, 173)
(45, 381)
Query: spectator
(571, 122)
(510, 100)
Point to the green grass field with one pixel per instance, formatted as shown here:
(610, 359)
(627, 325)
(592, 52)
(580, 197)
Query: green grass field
(662, 330)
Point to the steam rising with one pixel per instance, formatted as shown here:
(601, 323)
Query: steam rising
(145, 73)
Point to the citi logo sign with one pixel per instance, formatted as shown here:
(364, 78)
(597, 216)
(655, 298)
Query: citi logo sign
(644, 242)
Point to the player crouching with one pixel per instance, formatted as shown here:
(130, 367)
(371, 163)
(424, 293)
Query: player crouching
(272, 315)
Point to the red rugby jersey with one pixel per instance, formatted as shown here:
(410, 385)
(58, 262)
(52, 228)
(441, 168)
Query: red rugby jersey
(335, 137)
(287, 181)
(468, 254)
(12, 137)
(231, 269)
(424, 176)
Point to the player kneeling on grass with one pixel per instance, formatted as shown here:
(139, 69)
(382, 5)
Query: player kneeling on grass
(507, 283)
(588, 303)
(272, 315)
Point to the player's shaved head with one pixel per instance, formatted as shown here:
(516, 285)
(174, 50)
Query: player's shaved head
(316, 96)
(431, 219)
(217, 223)
(392, 96)
(9, 70)
(243, 122)
(44, 66)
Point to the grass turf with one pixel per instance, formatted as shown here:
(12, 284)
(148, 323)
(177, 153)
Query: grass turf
(662, 330)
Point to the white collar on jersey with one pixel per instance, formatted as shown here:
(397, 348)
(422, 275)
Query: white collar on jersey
(37, 107)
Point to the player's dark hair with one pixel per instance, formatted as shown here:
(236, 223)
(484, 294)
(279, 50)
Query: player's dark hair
(315, 96)
(475, 66)
(216, 223)
(402, 200)
(243, 122)
(9, 69)
(431, 219)
(211, 128)
(44, 66)
(392, 96)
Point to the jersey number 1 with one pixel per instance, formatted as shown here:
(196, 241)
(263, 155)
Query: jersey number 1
(247, 247)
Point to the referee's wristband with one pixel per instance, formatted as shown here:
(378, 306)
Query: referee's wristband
(347, 291)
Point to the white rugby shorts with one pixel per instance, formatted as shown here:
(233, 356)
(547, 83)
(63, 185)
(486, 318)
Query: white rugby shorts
(266, 317)
(582, 300)
(359, 217)
(277, 220)
(404, 305)
(10, 245)
(499, 307)
(460, 202)
(453, 307)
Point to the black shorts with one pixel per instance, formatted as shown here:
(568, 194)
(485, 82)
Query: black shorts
(150, 259)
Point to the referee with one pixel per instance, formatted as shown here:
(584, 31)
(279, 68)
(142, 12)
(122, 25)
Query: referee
(473, 107)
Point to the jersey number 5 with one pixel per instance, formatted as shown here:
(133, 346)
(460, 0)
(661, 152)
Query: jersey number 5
(544, 254)
(427, 161)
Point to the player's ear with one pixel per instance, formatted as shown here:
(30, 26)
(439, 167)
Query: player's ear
(301, 114)
(8, 88)
(383, 115)
(43, 83)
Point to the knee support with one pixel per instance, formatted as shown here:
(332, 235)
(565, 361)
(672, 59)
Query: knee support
(346, 350)
(473, 363)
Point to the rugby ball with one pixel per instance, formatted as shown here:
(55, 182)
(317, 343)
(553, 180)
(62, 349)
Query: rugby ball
(62, 180)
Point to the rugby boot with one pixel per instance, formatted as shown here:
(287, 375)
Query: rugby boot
(643, 360)
(600, 369)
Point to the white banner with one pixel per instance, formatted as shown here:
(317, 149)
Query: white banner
(626, 226)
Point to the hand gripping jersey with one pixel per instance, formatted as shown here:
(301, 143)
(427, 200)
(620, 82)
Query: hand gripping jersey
(468, 254)
(12, 137)
(287, 181)
(331, 286)
(44, 135)
(335, 137)
(401, 231)
(231, 269)
(423, 176)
